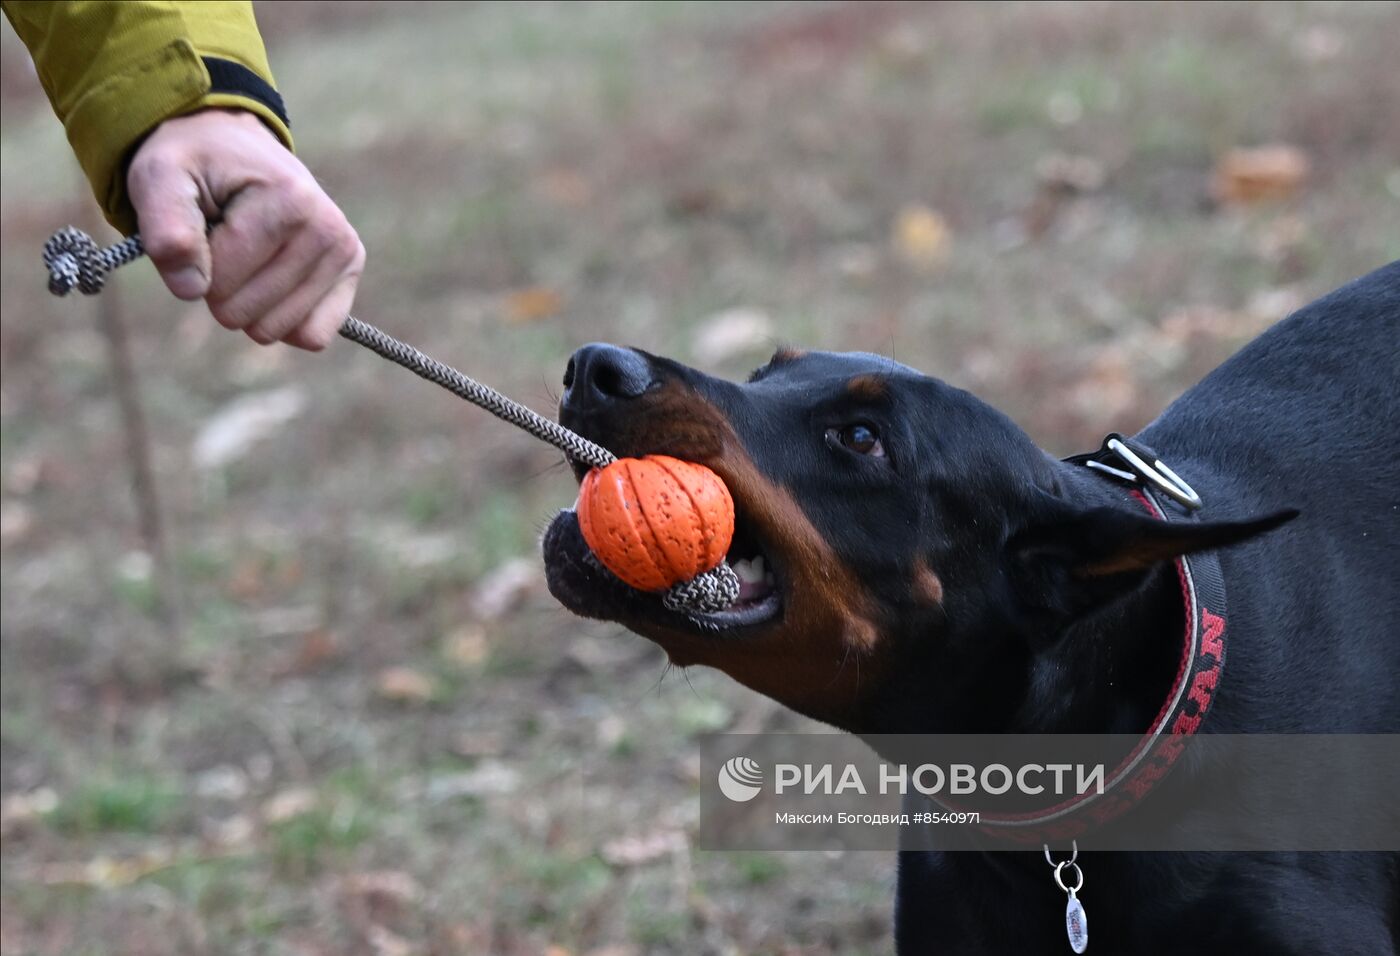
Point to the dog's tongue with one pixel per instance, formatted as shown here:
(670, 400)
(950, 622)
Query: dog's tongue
(749, 591)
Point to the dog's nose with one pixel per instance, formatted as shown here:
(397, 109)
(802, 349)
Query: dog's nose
(605, 373)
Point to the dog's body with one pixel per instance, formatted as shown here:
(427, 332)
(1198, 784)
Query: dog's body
(935, 572)
(1306, 416)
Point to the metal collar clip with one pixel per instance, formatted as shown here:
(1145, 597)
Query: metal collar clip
(1157, 473)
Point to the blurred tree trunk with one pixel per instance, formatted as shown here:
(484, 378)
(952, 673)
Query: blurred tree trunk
(145, 492)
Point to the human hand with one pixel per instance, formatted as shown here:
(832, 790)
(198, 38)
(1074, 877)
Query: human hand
(283, 262)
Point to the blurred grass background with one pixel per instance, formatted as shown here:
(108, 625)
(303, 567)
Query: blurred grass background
(370, 730)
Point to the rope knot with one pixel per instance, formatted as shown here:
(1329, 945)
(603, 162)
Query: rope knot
(74, 261)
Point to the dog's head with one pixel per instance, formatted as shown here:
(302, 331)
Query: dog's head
(912, 539)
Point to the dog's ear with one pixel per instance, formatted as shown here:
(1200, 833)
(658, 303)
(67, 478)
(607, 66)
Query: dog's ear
(1071, 560)
(1101, 541)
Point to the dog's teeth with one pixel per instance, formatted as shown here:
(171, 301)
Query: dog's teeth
(750, 572)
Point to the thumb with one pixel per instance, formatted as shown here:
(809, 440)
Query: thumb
(173, 228)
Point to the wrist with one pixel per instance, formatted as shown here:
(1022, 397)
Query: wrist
(213, 118)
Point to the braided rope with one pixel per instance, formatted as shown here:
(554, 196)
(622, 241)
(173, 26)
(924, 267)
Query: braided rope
(74, 261)
(483, 396)
(714, 590)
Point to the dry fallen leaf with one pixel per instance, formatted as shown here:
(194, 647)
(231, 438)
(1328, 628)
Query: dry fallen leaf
(565, 187)
(405, 685)
(1319, 44)
(16, 520)
(247, 580)
(532, 304)
(1261, 174)
(638, 850)
(388, 943)
(731, 334)
(1280, 238)
(254, 367)
(316, 648)
(288, 804)
(503, 588)
(490, 777)
(1108, 387)
(467, 646)
(610, 730)
(235, 833)
(26, 473)
(1268, 305)
(108, 872)
(223, 782)
(391, 886)
(19, 809)
(233, 429)
(1070, 173)
(473, 744)
(687, 768)
(921, 236)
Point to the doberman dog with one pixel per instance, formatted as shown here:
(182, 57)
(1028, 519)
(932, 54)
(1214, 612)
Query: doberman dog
(928, 569)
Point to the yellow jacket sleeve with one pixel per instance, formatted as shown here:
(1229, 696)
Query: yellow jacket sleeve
(115, 70)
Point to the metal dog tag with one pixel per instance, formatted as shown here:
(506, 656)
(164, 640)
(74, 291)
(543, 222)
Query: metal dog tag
(1076, 924)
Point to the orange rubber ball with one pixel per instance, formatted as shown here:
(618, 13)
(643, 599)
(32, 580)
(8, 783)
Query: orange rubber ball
(656, 521)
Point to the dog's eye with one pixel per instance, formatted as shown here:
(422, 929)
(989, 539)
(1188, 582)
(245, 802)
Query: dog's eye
(861, 439)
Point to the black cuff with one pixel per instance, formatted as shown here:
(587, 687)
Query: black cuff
(227, 76)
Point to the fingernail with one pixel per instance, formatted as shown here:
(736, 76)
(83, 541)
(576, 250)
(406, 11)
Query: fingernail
(187, 281)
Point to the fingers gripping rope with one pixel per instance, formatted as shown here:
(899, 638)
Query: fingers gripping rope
(74, 261)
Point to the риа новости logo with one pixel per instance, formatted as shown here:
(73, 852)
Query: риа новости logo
(740, 779)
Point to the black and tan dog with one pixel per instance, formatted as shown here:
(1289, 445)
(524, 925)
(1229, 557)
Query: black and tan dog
(927, 569)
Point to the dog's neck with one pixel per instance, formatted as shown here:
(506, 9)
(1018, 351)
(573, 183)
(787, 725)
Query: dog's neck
(1109, 671)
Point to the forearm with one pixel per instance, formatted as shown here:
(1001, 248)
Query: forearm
(114, 71)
